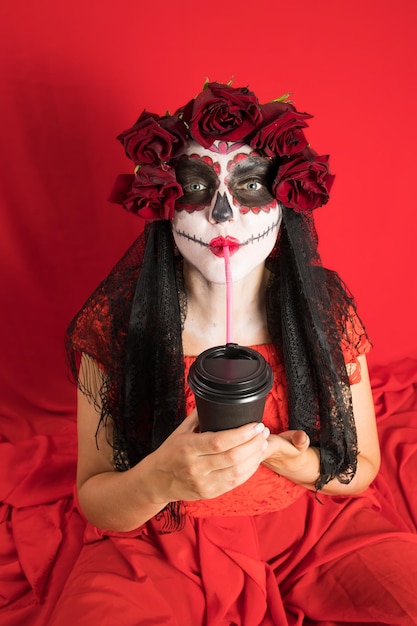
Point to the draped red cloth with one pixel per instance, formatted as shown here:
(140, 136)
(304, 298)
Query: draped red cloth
(41, 532)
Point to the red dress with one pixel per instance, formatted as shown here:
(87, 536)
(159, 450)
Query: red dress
(267, 553)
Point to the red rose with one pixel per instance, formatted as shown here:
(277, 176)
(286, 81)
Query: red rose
(303, 182)
(150, 194)
(222, 112)
(281, 130)
(154, 139)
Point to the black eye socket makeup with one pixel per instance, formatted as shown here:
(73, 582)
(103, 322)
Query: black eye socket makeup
(198, 181)
(250, 181)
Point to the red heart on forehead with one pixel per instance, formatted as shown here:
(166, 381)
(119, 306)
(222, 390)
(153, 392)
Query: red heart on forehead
(222, 147)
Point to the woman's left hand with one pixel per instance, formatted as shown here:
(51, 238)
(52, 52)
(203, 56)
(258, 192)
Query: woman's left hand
(290, 454)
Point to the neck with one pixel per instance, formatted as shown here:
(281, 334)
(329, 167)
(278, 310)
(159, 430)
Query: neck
(206, 322)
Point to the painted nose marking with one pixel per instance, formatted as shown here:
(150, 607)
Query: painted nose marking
(222, 211)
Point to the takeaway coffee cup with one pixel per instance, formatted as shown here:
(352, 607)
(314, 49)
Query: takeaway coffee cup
(230, 384)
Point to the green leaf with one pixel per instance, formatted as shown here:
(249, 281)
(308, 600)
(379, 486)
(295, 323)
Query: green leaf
(284, 98)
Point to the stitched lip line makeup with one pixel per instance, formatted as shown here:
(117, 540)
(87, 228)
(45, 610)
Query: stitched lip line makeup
(218, 244)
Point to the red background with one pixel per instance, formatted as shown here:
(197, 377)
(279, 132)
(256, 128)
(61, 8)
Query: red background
(74, 74)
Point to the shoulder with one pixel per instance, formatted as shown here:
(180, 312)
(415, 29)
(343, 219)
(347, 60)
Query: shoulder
(354, 339)
(100, 326)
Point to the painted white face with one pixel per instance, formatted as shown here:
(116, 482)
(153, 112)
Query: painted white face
(227, 201)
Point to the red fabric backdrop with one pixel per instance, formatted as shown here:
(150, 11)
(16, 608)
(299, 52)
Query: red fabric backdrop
(74, 75)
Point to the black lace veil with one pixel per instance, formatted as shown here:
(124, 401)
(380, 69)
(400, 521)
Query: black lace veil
(130, 330)
(307, 309)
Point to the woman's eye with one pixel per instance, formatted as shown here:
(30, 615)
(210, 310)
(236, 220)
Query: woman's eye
(252, 185)
(194, 187)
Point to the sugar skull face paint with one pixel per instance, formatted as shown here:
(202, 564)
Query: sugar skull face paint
(227, 201)
(229, 170)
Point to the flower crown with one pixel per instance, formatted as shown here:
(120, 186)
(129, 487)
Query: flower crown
(220, 113)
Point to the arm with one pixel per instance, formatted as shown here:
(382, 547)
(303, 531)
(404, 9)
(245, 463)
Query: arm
(189, 465)
(290, 454)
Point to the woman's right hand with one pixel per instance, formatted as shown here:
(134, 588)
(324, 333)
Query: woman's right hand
(191, 465)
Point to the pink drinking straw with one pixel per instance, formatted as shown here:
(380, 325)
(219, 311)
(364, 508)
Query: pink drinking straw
(229, 294)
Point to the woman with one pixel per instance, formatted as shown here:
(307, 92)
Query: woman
(260, 524)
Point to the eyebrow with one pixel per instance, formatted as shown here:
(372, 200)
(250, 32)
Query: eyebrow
(252, 165)
(195, 166)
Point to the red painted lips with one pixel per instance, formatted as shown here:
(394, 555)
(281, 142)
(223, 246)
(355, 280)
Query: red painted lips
(218, 243)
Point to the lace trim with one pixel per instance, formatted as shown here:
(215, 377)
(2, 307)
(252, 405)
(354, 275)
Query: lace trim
(354, 343)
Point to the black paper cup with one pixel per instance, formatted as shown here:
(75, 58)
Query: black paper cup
(230, 384)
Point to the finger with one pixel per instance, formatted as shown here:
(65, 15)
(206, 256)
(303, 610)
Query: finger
(298, 438)
(243, 467)
(248, 452)
(224, 440)
(190, 424)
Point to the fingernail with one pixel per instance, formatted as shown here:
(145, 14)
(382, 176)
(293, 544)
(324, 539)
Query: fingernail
(265, 445)
(266, 432)
(259, 427)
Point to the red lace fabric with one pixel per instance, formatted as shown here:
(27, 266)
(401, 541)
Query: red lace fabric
(354, 342)
(266, 491)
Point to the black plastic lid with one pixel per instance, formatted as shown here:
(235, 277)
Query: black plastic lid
(231, 370)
